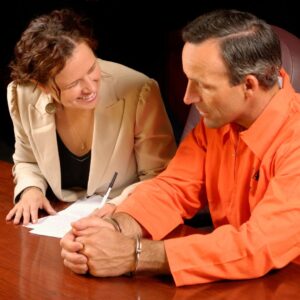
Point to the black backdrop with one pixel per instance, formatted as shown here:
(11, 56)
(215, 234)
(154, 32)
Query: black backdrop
(133, 33)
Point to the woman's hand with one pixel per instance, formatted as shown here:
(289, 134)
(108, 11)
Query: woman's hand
(32, 199)
(106, 211)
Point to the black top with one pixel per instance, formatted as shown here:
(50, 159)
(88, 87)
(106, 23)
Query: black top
(74, 169)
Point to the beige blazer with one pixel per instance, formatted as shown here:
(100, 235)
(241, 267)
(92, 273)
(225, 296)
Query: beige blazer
(132, 135)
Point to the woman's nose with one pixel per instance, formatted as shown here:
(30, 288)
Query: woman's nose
(88, 85)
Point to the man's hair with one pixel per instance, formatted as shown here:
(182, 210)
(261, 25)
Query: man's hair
(47, 43)
(248, 45)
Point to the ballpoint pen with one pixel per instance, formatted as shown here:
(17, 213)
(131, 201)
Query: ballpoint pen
(105, 197)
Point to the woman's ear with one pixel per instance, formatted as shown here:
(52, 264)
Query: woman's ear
(42, 87)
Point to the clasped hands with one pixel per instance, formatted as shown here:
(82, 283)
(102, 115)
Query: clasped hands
(93, 245)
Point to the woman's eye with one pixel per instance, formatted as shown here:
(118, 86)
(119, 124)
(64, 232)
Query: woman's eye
(92, 69)
(71, 85)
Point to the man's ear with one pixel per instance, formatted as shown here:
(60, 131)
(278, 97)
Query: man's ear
(251, 85)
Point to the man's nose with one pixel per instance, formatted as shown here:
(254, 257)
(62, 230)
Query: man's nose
(191, 95)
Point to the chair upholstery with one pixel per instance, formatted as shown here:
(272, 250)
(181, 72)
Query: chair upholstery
(290, 50)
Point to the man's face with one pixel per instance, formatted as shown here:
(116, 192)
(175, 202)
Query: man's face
(217, 101)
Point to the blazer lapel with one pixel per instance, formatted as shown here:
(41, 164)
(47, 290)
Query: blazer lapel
(44, 140)
(107, 126)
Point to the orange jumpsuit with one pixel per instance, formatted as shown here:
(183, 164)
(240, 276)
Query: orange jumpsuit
(251, 182)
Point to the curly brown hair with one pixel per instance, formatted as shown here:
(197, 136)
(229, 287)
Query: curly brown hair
(47, 43)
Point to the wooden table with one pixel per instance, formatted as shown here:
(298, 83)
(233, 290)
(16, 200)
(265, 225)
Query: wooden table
(31, 268)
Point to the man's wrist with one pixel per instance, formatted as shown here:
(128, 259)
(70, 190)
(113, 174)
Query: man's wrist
(136, 258)
(128, 225)
(114, 223)
(138, 252)
(150, 257)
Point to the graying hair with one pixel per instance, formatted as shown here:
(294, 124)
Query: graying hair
(248, 45)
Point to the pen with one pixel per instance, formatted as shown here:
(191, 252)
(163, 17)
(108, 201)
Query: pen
(105, 197)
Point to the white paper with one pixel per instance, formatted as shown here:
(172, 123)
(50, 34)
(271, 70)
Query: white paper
(58, 225)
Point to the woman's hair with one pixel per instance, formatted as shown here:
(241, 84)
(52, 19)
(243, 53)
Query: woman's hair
(47, 43)
(248, 45)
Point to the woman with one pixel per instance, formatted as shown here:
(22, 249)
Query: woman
(78, 119)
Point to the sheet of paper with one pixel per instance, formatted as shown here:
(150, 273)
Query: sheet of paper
(59, 224)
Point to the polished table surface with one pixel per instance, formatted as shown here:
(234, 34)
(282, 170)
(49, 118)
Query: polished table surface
(31, 268)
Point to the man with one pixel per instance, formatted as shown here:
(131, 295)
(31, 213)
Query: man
(243, 159)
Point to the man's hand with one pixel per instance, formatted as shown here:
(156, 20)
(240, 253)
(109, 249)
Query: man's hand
(109, 253)
(94, 245)
(89, 225)
(72, 249)
(106, 211)
(71, 255)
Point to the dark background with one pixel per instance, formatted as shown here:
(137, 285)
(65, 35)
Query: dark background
(134, 33)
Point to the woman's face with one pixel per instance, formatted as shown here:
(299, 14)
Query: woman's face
(79, 80)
